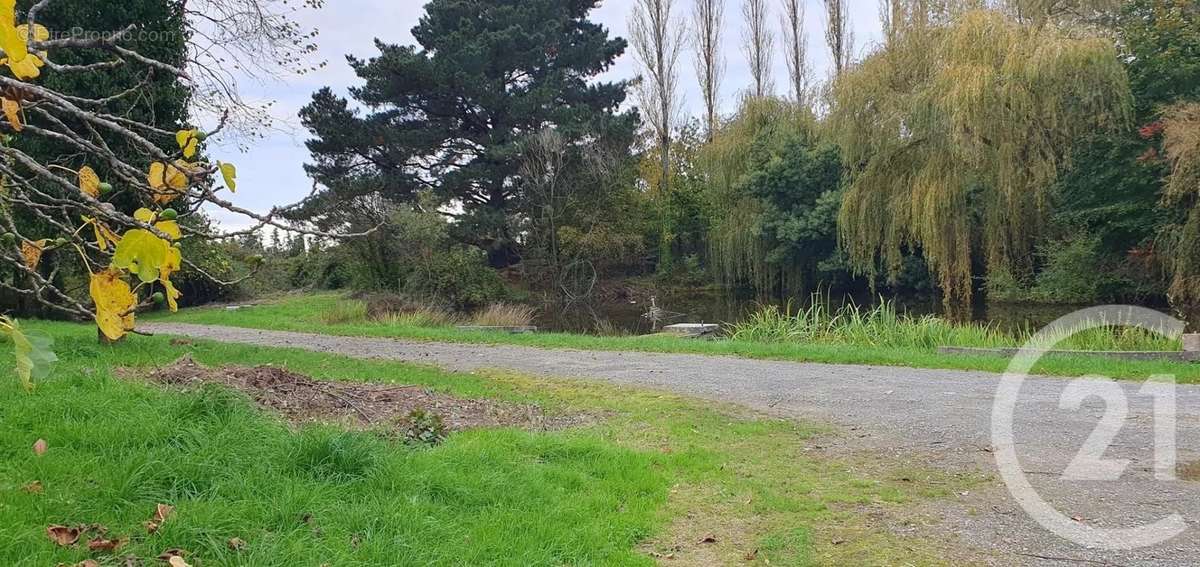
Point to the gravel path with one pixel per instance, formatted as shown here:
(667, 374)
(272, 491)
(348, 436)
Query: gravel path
(939, 417)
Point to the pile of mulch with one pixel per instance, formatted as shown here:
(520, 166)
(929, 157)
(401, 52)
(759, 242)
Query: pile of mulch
(301, 399)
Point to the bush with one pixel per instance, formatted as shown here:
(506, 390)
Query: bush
(1002, 285)
(1077, 271)
(459, 279)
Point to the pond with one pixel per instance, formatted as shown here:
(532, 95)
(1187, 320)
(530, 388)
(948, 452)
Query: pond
(629, 315)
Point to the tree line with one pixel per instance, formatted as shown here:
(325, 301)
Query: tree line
(1018, 150)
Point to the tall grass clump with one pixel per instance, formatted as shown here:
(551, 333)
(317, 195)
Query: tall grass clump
(398, 310)
(345, 312)
(883, 325)
(504, 315)
(388, 309)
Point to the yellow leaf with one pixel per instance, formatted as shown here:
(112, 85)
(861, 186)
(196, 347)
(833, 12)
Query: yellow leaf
(170, 228)
(167, 180)
(89, 182)
(12, 111)
(171, 262)
(229, 173)
(32, 252)
(157, 176)
(189, 142)
(104, 235)
(142, 253)
(14, 40)
(172, 294)
(40, 33)
(10, 38)
(115, 303)
(27, 67)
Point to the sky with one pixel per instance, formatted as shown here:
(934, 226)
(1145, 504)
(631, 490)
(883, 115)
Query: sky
(271, 171)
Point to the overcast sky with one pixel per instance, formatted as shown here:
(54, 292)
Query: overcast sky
(271, 171)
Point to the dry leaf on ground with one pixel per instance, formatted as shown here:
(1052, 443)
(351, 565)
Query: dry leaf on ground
(162, 512)
(63, 535)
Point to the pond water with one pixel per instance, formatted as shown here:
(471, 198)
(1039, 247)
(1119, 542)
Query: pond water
(628, 316)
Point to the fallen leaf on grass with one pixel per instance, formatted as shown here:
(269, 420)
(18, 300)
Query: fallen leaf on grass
(151, 527)
(236, 543)
(63, 535)
(174, 557)
(34, 487)
(708, 539)
(39, 447)
(162, 512)
(106, 545)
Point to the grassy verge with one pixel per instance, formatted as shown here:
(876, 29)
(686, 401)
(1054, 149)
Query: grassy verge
(308, 314)
(660, 476)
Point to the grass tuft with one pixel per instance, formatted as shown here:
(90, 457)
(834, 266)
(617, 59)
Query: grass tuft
(345, 312)
(504, 315)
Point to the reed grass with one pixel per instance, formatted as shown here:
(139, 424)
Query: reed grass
(883, 325)
(345, 312)
(504, 315)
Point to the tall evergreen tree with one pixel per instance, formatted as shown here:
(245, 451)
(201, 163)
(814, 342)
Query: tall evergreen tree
(452, 114)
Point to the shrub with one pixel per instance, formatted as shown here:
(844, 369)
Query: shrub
(1077, 271)
(459, 279)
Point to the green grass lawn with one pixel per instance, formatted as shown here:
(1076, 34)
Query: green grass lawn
(304, 313)
(654, 478)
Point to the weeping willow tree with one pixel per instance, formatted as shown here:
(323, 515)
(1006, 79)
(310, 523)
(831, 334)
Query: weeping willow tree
(955, 132)
(737, 250)
(1181, 144)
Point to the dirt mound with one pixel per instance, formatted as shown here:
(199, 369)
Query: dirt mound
(301, 399)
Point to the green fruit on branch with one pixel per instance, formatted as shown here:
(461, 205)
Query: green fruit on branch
(168, 214)
(105, 187)
(158, 297)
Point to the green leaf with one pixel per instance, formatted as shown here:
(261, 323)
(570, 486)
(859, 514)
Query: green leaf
(141, 252)
(34, 352)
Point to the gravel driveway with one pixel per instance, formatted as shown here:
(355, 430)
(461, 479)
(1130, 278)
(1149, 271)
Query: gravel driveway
(940, 417)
